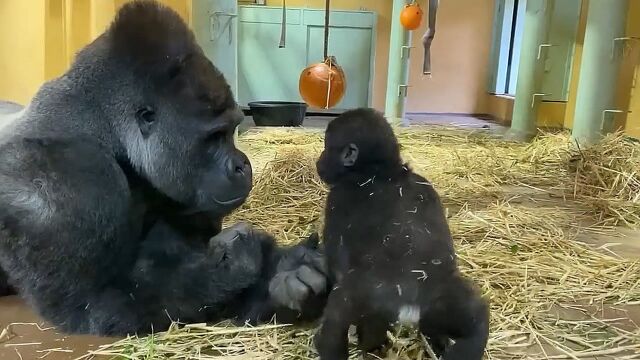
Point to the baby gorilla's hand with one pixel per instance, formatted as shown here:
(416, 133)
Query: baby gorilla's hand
(238, 248)
(301, 274)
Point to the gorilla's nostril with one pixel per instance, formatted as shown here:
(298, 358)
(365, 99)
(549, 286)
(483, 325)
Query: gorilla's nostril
(238, 167)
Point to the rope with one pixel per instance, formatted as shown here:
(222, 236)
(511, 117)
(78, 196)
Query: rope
(427, 39)
(283, 32)
(326, 28)
(329, 85)
(327, 11)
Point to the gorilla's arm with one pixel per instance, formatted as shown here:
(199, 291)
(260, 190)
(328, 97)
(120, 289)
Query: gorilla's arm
(196, 283)
(5, 287)
(291, 283)
(293, 286)
(70, 240)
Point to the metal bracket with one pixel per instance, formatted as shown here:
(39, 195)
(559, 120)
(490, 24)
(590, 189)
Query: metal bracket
(402, 51)
(534, 96)
(540, 49)
(212, 24)
(622, 40)
(403, 90)
(609, 118)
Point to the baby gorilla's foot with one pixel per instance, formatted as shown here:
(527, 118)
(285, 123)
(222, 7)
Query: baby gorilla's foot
(372, 335)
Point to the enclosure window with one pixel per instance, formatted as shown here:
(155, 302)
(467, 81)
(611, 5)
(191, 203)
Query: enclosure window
(508, 32)
(507, 42)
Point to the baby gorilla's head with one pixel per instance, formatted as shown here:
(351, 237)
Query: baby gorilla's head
(358, 143)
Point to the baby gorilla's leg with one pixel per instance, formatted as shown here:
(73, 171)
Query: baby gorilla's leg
(332, 340)
(372, 333)
(459, 314)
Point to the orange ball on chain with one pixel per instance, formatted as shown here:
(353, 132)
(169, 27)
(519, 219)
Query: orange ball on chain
(323, 85)
(411, 16)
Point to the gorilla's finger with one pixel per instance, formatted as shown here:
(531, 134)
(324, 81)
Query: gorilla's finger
(297, 290)
(312, 278)
(287, 292)
(318, 261)
(298, 253)
(241, 227)
(312, 241)
(278, 289)
(232, 233)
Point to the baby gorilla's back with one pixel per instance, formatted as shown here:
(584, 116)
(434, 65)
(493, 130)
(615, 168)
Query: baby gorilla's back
(389, 248)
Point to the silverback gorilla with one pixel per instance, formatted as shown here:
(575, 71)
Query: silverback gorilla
(389, 248)
(114, 183)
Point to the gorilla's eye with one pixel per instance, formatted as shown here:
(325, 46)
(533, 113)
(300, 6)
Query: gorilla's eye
(146, 115)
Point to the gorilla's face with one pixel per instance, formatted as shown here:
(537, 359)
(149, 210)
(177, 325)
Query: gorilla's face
(337, 158)
(183, 141)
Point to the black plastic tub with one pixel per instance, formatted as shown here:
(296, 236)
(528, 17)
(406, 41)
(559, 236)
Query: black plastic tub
(278, 113)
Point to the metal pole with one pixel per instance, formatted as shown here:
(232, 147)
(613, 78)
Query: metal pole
(398, 72)
(595, 102)
(531, 70)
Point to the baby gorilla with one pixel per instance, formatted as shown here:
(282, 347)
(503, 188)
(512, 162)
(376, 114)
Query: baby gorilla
(389, 249)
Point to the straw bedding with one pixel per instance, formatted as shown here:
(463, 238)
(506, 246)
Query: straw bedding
(521, 215)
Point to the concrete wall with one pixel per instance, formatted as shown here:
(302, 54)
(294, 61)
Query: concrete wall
(38, 40)
(460, 54)
(22, 48)
(459, 59)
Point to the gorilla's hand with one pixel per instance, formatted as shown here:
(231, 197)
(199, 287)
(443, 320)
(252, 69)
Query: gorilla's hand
(301, 273)
(239, 247)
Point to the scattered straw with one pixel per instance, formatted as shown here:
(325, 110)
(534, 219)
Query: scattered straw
(524, 219)
(607, 175)
(286, 186)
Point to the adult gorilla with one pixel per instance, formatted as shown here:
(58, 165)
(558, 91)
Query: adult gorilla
(116, 176)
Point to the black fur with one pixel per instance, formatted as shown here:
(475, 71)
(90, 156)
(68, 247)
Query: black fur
(389, 248)
(117, 176)
(5, 287)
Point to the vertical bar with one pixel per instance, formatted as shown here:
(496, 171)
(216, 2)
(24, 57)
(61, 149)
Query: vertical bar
(398, 73)
(530, 70)
(606, 21)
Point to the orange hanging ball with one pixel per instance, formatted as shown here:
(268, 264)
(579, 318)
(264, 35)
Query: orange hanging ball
(322, 85)
(411, 16)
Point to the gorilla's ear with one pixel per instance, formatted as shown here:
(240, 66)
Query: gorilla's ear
(151, 36)
(349, 155)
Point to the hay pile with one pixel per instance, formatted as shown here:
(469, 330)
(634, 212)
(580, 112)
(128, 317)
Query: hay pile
(283, 187)
(607, 175)
(521, 215)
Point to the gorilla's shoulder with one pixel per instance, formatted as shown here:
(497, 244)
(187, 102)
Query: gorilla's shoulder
(48, 169)
(38, 153)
